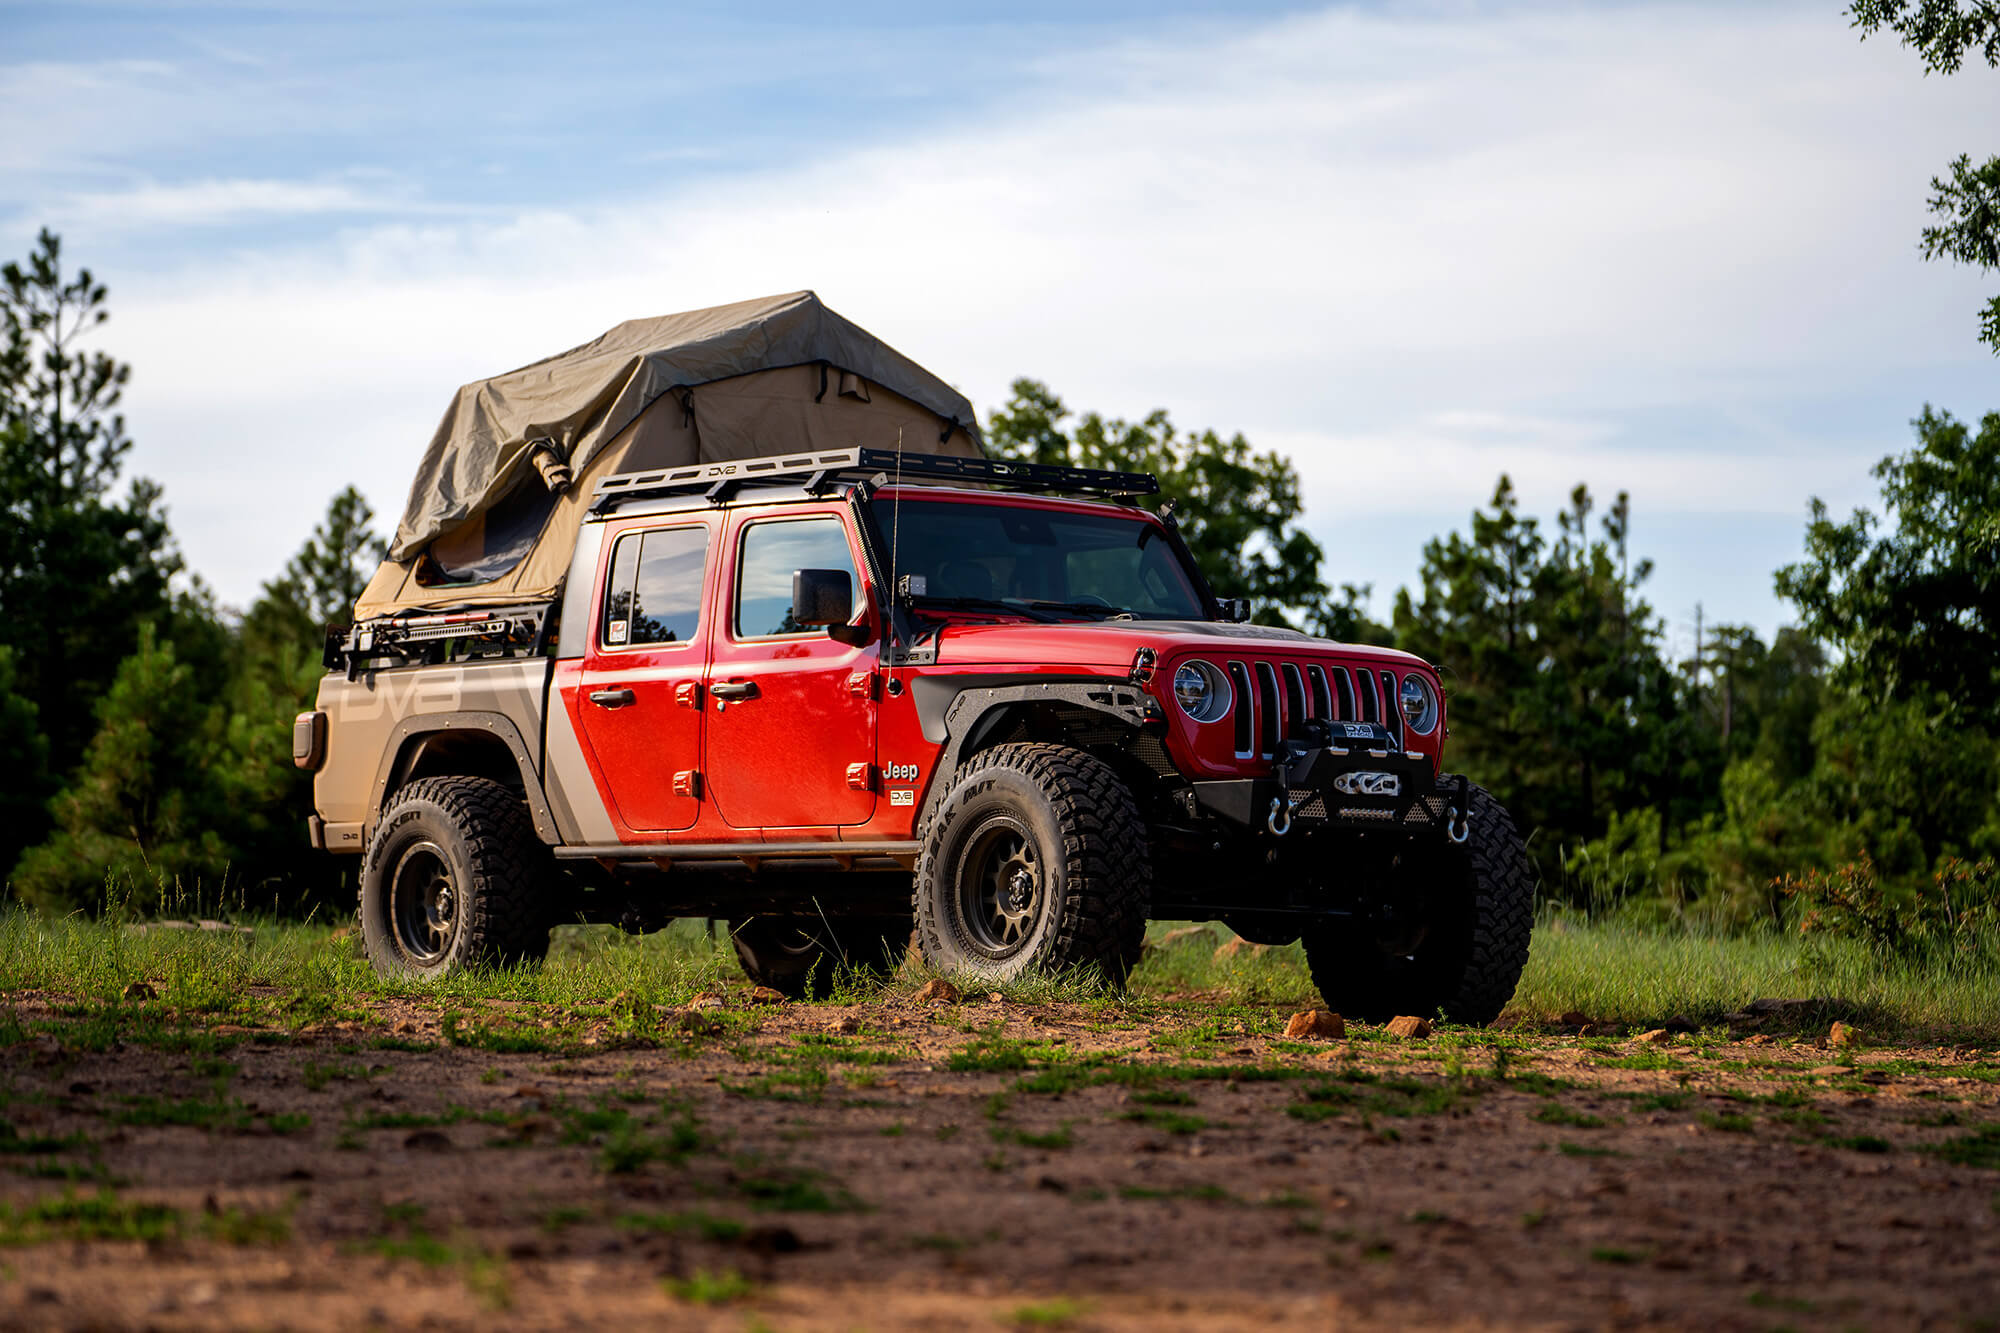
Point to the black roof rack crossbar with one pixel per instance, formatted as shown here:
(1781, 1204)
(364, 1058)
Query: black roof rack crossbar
(721, 481)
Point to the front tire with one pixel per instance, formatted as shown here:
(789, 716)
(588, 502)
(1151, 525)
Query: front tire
(1466, 955)
(454, 876)
(1035, 860)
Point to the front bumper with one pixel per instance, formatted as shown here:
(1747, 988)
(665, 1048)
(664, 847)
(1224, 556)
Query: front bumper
(1346, 776)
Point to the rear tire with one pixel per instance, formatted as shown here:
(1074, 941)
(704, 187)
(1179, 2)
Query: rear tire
(454, 876)
(802, 957)
(1035, 860)
(1466, 956)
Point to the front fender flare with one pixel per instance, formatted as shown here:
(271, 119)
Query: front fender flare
(971, 716)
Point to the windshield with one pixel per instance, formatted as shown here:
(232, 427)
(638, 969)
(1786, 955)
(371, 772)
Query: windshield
(1038, 560)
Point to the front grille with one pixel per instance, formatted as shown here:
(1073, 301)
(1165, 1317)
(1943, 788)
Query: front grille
(1273, 701)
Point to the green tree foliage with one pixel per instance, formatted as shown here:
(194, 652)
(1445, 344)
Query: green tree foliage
(24, 757)
(139, 818)
(79, 569)
(1915, 608)
(1967, 204)
(1238, 510)
(1560, 701)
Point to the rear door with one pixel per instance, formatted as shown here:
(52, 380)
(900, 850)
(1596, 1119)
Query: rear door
(640, 702)
(790, 732)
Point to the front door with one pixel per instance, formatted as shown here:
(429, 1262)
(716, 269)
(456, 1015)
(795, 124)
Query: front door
(640, 703)
(790, 731)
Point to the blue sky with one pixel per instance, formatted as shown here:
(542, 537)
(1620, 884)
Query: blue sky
(1667, 248)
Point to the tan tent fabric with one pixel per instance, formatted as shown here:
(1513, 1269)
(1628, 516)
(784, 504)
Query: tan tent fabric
(581, 399)
(749, 415)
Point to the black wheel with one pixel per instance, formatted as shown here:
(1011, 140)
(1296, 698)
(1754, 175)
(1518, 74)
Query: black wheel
(1036, 859)
(454, 875)
(1463, 953)
(803, 956)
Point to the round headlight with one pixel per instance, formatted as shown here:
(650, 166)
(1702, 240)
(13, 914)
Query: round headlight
(1420, 705)
(1202, 691)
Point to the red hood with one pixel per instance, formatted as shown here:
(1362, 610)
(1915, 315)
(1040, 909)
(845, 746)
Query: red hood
(1113, 643)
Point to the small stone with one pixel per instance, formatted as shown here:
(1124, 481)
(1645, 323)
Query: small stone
(844, 1026)
(1409, 1027)
(705, 1000)
(1185, 933)
(938, 991)
(1239, 946)
(765, 995)
(1316, 1024)
(1656, 1037)
(1840, 1034)
(1758, 1039)
(428, 1140)
(996, 998)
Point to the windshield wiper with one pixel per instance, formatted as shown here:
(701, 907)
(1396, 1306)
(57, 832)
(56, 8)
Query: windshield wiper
(987, 604)
(1087, 609)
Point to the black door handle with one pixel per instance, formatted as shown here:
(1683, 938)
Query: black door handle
(612, 698)
(734, 689)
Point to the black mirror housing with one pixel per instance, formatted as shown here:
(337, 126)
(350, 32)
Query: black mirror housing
(821, 597)
(1235, 610)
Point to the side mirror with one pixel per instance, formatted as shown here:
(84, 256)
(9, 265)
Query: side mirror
(826, 597)
(821, 597)
(1235, 610)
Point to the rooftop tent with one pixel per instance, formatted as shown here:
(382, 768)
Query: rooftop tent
(496, 503)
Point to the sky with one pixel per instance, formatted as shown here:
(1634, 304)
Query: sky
(1663, 248)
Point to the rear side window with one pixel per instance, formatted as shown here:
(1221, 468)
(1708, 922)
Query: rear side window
(655, 589)
(774, 551)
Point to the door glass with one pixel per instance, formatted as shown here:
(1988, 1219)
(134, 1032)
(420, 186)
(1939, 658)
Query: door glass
(772, 553)
(655, 590)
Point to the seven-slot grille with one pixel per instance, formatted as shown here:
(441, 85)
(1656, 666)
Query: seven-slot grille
(1273, 700)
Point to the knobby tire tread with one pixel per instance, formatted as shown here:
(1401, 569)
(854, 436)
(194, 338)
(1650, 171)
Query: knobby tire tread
(1108, 890)
(509, 906)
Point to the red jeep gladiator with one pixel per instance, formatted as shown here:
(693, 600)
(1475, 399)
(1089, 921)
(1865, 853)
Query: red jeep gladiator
(825, 696)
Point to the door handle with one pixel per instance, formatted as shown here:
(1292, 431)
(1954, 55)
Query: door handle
(733, 690)
(612, 698)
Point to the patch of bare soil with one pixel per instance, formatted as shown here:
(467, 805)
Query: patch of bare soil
(913, 1165)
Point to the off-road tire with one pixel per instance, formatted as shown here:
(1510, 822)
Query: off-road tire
(804, 957)
(1092, 872)
(1481, 909)
(478, 834)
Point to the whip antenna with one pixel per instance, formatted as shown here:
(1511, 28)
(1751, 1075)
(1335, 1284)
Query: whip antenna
(896, 521)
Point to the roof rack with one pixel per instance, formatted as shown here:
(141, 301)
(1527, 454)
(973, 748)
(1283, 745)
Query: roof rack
(815, 471)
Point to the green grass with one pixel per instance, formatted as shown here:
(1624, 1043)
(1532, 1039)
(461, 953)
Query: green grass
(722, 1287)
(1628, 974)
(103, 1216)
(622, 989)
(1980, 1148)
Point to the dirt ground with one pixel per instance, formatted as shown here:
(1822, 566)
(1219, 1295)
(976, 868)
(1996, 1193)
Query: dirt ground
(911, 1164)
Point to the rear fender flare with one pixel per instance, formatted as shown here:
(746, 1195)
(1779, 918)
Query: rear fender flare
(406, 745)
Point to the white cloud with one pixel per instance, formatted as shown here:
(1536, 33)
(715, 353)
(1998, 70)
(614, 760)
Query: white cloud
(214, 202)
(1411, 252)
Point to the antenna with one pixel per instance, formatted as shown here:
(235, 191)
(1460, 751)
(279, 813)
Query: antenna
(896, 523)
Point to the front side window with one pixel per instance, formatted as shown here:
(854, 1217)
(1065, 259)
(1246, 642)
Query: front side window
(654, 595)
(772, 552)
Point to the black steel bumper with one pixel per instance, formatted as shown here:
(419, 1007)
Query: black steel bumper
(1356, 781)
